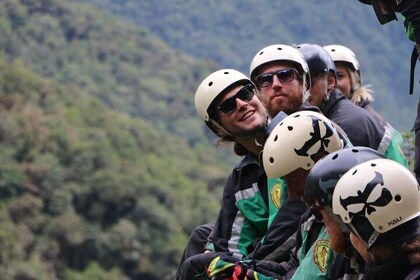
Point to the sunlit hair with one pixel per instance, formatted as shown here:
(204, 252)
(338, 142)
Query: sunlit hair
(359, 93)
(363, 93)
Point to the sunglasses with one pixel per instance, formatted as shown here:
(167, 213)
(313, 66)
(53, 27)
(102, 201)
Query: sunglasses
(284, 76)
(228, 106)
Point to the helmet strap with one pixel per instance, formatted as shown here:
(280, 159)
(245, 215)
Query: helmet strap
(253, 134)
(220, 131)
(306, 95)
(256, 143)
(373, 238)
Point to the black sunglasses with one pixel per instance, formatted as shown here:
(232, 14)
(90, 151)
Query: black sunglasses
(284, 76)
(228, 106)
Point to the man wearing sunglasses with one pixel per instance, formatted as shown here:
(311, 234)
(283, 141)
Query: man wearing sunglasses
(226, 100)
(361, 127)
(280, 73)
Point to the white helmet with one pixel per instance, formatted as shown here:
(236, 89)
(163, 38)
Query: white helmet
(376, 197)
(297, 141)
(278, 52)
(341, 53)
(213, 85)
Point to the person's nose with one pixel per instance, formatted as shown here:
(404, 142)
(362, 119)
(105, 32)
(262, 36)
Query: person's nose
(276, 82)
(241, 103)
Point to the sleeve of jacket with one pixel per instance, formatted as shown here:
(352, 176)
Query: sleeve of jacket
(281, 236)
(222, 229)
(243, 217)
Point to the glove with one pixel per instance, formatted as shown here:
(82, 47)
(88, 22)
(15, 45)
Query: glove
(259, 270)
(221, 267)
(239, 271)
(253, 275)
(263, 270)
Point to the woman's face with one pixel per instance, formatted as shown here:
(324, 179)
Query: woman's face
(343, 79)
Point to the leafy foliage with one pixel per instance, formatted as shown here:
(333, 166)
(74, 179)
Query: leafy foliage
(231, 32)
(91, 182)
(105, 166)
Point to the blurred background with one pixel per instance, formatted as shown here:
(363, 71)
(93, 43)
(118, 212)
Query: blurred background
(106, 167)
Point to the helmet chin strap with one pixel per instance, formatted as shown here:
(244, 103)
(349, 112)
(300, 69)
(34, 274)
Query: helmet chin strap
(256, 143)
(327, 95)
(306, 95)
(253, 134)
(231, 137)
(223, 133)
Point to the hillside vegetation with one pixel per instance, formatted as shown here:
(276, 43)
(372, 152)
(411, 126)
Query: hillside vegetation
(231, 32)
(103, 157)
(106, 166)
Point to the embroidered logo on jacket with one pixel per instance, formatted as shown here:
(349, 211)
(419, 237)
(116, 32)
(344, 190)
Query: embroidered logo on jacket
(276, 195)
(321, 254)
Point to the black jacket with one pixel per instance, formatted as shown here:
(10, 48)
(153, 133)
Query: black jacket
(398, 268)
(361, 128)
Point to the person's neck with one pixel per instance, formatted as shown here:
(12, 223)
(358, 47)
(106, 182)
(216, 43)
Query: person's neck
(254, 145)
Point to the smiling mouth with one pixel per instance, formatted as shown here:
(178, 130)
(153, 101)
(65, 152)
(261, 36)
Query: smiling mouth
(247, 115)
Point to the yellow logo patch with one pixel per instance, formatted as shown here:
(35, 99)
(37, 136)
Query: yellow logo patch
(321, 254)
(276, 195)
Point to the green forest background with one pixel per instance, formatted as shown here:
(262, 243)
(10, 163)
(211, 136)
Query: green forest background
(106, 167)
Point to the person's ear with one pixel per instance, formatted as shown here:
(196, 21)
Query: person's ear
(332, 81)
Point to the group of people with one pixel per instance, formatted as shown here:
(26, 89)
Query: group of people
(323, 189)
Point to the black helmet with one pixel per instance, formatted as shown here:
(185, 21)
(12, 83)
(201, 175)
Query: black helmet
(325, 174)
(384, 14)
(318, 59)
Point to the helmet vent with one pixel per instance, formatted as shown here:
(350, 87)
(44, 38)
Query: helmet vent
(290, 128)
(210, 84)
(355, 150)
(271, 160)
(397, 198)
(276, 138)
(335, 157)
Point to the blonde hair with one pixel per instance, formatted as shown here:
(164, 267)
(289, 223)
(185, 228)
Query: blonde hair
(362, 93)
(358, 92)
